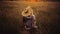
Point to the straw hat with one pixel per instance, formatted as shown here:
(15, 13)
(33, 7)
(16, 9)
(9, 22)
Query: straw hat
(27, 11)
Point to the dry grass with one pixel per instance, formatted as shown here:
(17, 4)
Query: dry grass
(47, 16)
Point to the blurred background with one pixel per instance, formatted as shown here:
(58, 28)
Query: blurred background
(47, 14)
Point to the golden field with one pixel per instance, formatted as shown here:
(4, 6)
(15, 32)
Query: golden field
(47, 16)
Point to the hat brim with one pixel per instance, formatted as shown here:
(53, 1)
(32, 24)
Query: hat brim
(28, 13)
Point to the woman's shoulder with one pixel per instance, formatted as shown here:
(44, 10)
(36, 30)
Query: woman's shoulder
(33, 15)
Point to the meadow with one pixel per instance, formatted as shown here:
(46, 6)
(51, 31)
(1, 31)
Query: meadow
(47, 16)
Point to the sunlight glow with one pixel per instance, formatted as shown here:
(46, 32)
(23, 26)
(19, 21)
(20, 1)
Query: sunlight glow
(32, 0)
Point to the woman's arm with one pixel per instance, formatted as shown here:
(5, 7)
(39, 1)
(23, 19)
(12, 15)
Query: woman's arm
(34, 22)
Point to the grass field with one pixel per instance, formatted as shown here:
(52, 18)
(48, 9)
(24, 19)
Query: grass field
(47, 16)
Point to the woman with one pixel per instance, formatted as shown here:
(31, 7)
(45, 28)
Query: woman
(29, 20)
